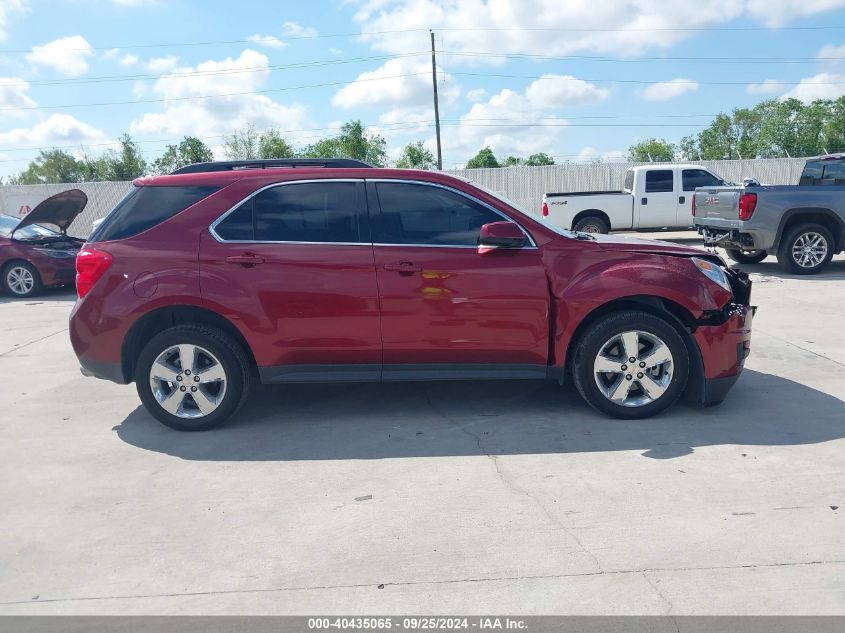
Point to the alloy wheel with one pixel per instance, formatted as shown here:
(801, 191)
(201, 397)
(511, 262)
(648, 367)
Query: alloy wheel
(188, 381)
(20, 280)
(633, 369)
(809, 249)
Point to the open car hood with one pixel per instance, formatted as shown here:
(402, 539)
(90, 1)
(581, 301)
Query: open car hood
(59, 210)
(636, 245)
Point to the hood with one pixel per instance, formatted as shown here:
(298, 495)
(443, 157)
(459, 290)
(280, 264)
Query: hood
(636, 245)
(59, 210)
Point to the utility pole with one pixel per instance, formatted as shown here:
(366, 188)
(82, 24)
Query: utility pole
(436, 105)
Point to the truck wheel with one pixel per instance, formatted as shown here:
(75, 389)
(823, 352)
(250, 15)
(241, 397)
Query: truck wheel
(22, 279)
(746, 256)
(591, 224)
(631, 365)
(192, 377)
(806, 249)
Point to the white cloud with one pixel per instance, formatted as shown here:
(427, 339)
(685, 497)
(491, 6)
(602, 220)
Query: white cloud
(295, 29)
(590, 154)
(270, 41)
(520, 124)
(398, 82)
(67, 55)
(562, 90)
(128, 60)
(211, 117)
(776, 13)
(477, 94)
(767, 87)
(58, 129)
(556, 27)
(13, 94)
(162, 64)
(820, 86)
(112, 53)
(666, 90)
(831, 53)
(8, 10)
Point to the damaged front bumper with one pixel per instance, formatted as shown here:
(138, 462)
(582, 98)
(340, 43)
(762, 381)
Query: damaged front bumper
(724, 340)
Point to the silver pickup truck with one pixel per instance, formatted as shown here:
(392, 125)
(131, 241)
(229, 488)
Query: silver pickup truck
(803, 224)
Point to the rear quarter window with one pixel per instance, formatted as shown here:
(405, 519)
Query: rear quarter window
(146, 207)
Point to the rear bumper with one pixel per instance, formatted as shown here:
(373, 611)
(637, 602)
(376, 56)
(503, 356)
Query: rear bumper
(100, 369)
(741, 239)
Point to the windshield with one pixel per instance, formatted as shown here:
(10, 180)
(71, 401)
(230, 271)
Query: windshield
(8, 224)
(537, 218)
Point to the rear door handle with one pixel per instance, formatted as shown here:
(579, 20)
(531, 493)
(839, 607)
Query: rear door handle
(405, 268)
(644, 201)
(247, 259)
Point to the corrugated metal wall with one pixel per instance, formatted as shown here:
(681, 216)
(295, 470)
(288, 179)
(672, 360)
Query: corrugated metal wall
(524, 185)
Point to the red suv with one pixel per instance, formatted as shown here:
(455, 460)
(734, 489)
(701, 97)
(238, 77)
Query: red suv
(201, 282)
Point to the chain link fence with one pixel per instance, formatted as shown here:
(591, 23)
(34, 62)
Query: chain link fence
(523, 185)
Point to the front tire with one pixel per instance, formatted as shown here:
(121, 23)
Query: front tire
(806, 249)
(746, 256)
(22, 280)
(192, 377)
(611, 382)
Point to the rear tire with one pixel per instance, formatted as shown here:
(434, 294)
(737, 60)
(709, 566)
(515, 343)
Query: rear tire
(613, 384)
(806, 249)
(746, 257)
(21, 279)
(192, 377)
(591, 224)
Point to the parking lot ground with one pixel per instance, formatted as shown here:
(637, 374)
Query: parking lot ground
(484, 497)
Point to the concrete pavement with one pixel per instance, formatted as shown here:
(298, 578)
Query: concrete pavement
(430, 498)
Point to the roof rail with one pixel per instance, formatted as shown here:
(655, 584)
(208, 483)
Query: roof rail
(232, 165)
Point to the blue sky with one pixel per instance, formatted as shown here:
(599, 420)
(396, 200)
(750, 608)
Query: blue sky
(578, 80)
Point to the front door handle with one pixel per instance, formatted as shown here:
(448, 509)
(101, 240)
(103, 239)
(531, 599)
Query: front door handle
(247, 260)
(682, 199)
(404, 268)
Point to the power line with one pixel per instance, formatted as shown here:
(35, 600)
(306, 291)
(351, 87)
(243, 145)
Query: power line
(606, 58)
(316, 36)
(653, 81)
(205, 73)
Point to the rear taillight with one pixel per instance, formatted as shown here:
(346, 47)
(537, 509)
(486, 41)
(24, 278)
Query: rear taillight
(747, 204)
(693, 205)
(545, 209)
(90, 266)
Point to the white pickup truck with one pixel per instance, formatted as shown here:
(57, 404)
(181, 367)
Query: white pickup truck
(654, 197)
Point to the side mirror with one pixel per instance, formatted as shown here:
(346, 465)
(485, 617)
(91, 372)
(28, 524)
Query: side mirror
(502, 235)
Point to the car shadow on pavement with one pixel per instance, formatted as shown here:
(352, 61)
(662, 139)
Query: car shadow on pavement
(835, 270)
(377, 421)
(62, 293)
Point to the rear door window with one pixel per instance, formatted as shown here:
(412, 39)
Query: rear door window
(658, 181)
(692, 178)
(812, 173)
(326, 212)
(146, 207)
(834, 173)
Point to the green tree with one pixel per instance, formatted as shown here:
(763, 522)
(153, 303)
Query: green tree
(189, 151)
(484, 158)
(272, 145)
(416, 156)
(52, 166)
(539, 159)
(353, 141)
(241, 144)
(512, 161)
(123, 164)
(653, 149)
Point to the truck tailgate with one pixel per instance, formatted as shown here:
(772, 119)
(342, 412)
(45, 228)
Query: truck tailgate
(717, 206)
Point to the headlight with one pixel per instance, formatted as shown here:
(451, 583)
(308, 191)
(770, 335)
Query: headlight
(713, 272)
